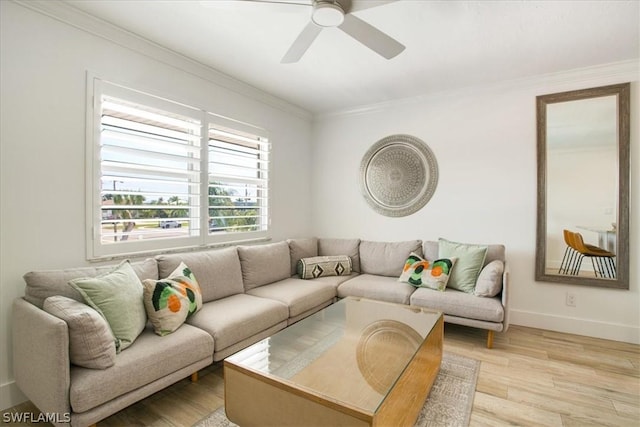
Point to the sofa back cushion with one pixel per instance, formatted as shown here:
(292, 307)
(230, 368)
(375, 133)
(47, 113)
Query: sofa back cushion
(301, 248)
(46, 283)
(217, 271)
(349, 247)
(387, 258)
(495, 252)
(264, 264)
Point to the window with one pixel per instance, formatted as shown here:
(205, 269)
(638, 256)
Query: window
(168, 176)
(238, 191)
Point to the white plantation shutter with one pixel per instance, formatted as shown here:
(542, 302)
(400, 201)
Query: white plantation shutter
(238, 181)
(168, 176)
(150, 170)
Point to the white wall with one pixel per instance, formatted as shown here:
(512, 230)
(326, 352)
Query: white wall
(484, 139)
(44, 62)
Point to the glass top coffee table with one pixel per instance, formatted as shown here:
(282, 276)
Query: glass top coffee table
(357, 362)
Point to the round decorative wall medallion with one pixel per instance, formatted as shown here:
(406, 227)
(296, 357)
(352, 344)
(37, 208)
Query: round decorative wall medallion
(398, 175)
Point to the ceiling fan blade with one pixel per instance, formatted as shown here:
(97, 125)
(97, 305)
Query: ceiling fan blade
(302, 43)
(371, 37)
(292, 2)
(367, 4)
(263, 6)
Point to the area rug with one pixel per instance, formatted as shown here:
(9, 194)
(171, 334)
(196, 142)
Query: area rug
(449, 403)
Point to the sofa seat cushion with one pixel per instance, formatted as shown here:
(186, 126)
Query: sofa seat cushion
(335, 281)
(298, 294)
(230, 320)
(150, 357)
(461, 304)
(377, 287)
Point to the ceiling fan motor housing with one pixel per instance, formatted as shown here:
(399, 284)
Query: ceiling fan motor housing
(327, 13)
(337, 13)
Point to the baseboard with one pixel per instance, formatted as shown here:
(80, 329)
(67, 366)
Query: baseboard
(572, 325)
(10, 395)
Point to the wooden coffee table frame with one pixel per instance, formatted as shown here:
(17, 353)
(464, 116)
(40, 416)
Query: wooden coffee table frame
(254, 398)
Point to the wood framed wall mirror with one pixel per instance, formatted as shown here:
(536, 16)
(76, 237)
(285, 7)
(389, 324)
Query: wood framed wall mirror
(583, 187)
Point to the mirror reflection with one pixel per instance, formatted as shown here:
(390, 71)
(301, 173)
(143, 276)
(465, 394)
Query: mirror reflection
(582, 142)
(583, 156)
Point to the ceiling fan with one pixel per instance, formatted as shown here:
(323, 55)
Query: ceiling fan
(338, 14)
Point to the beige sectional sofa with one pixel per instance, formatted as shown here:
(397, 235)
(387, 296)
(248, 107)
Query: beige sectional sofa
(248, 293)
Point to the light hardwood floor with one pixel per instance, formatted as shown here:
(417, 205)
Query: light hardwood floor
(530, 378)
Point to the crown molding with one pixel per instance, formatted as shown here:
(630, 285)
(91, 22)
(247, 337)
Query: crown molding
(615, 72)
(81, 20)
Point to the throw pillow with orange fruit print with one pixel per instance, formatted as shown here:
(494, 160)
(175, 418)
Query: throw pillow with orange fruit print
(170, 301)
(419, 272)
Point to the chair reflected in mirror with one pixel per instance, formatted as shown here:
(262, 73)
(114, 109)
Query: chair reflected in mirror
(576, 250)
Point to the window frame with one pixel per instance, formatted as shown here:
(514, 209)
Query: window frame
(95, 249)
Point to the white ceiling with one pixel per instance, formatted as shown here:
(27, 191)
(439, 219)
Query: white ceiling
(449, 44)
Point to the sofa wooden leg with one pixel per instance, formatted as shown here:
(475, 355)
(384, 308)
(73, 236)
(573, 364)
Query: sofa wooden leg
(194, 377)
(490, 339)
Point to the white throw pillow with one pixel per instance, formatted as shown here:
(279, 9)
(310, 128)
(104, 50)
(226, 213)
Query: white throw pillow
(489, 283)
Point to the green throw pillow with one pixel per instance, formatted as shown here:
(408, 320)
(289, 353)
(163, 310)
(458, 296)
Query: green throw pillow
(117, 296)
(469, 264)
